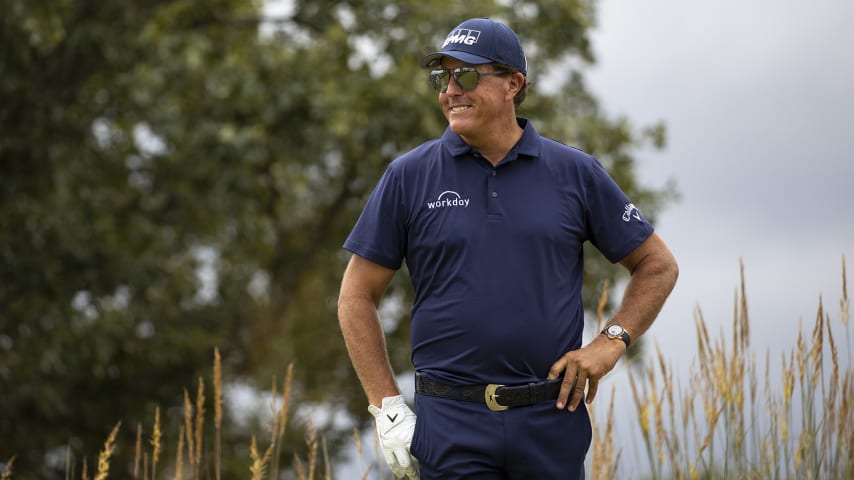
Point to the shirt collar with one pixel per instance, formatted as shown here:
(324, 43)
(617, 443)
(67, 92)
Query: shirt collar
(527, 145)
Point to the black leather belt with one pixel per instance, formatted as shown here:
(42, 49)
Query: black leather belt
(496, 397)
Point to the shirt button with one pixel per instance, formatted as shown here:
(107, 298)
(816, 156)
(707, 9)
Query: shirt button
(494, 194)
(494, 173)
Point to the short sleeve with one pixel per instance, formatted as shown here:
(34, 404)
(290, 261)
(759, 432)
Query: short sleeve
(615, 225)
(380, 232)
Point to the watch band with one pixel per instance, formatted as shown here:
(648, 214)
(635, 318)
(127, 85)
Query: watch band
(616, 331)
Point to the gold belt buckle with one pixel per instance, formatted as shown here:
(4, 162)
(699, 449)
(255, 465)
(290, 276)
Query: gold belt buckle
(491, 398)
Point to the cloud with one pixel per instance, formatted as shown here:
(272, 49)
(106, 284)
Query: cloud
(758, 98)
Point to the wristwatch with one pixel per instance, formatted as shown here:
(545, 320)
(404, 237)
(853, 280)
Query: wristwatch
(615, 331)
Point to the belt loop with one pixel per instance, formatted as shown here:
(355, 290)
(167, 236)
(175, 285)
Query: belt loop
(532, 393)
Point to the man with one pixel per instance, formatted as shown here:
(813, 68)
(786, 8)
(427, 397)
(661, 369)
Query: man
(491, 218)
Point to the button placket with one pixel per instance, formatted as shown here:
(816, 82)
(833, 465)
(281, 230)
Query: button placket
(493, 206)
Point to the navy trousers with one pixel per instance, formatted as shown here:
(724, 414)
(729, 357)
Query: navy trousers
(462, 440)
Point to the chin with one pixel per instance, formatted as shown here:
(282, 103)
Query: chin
(460, 127)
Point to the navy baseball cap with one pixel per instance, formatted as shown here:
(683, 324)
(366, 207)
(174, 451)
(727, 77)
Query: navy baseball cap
(481, 40)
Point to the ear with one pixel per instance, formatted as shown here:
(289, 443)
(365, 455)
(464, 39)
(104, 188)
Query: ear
(515, 84)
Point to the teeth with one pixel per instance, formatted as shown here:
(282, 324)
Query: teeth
(460, 108)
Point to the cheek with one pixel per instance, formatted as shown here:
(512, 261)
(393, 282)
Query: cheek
(443, 105)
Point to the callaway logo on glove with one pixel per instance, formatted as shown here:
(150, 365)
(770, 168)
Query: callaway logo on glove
(395, 426)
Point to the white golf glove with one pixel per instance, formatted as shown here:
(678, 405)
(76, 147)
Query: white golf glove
(395, 426)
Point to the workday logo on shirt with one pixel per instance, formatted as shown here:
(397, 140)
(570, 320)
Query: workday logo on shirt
(448, 199)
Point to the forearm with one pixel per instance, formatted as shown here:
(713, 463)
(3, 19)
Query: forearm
(365, 341)
(652, 279)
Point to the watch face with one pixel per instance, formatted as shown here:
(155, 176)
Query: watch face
(615, 330)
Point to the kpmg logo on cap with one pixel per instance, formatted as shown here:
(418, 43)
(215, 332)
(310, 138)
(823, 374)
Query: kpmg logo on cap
(462, 35)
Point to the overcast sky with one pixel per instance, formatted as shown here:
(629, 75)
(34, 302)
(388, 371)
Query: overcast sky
(758, 98)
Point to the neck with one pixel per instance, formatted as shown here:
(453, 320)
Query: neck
(494, 144)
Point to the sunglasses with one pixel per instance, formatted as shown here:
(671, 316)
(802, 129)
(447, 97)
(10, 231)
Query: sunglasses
(467, 78)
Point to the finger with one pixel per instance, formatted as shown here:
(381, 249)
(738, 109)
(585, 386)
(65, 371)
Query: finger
(407, 464)
(416, 475)
(557, 368)
(565, 388)
(393, 465)
(402, 472)
(577, 393)
(592, 388)
(412, 472)
(403, 461)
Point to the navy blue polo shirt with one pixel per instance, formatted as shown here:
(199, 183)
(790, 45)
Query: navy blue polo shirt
(495, 253)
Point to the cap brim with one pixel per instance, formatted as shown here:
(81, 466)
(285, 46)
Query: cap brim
(435, 59)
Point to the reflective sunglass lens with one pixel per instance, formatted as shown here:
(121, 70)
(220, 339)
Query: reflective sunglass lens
(439, 79)
(466, 78)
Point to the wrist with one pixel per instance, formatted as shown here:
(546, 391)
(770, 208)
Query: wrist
(615, 333)
(377, 398)
(386, 403)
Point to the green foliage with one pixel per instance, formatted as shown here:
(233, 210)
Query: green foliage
(173, 180)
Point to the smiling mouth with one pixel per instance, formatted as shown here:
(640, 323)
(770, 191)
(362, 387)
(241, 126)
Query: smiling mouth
(459, 108)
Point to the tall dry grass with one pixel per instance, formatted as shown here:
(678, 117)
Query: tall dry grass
(737, 418)
(104, 457)
(190, 443)
(7, 469)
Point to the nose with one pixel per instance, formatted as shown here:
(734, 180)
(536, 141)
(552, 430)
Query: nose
(454, 88)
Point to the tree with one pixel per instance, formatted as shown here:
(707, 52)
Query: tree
(180, 174)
